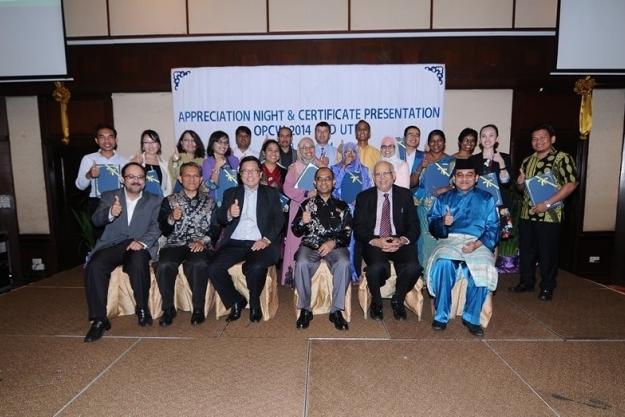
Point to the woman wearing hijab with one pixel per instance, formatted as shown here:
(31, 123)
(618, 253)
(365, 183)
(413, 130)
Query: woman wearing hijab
(388, 151)
(350, 164)
(305, 156)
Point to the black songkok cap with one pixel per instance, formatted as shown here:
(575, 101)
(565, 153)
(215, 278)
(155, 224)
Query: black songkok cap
(465, 164)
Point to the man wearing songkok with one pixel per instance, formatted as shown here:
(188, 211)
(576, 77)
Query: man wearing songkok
(252, 217)
(185, 221)
(389, 235)
(324, 223)
(540, 224)
(130, 221)
(466, 224)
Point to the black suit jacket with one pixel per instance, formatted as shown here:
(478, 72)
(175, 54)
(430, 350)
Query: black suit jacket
(404, 215)
(269, 215)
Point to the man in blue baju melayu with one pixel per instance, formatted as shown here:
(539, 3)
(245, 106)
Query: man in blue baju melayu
(466, 224)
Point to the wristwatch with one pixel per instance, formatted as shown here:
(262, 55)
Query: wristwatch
(547, 204)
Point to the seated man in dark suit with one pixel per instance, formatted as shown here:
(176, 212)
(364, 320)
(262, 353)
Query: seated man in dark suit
(129, 217)
(386, 225)
(185, 219)
(324, 223)
(252, 217)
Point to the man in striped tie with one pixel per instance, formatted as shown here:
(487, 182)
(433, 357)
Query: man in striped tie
(390, 235)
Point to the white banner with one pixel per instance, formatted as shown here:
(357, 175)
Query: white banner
(264, 98)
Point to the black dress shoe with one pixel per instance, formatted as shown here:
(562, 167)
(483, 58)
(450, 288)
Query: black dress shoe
(339, 322)
(545, 295)
(144, 317)
(376, 312)
(197, 317)
(256, 314)
(438, 325)
(305, 316)
(522, 288)
(235, 310)
(168, 317)
(399, 311)
(97, 329)
(474, 329)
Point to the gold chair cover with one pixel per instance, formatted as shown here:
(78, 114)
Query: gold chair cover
(321, 297)
(413, 300)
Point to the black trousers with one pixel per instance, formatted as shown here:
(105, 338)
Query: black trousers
(195, 266)
(539, 242)
(136, 263)
(255, 268)
(378, 270)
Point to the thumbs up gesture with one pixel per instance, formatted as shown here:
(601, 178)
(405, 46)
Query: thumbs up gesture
(116, 208)
(94, 171)
(235, 210)
(448, 219)
(306, 217)
(176, 213)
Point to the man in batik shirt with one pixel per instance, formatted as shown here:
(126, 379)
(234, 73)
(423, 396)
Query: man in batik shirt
(325, 226)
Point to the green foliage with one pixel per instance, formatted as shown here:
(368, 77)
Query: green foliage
(510, 247)
(86, 228)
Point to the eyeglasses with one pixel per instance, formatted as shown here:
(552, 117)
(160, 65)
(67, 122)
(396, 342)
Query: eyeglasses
(387, 147)
(307, 147)
(134, 177)
(223, 142)
(249, 171)
(383, 174)
(149, 142)
(326, 179)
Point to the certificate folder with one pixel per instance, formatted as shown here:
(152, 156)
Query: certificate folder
(227, 179)
(306, 180)
(436, 175)
(351, 185)
(542, 187)
(488, 183)
(109, 178)
(151, 183)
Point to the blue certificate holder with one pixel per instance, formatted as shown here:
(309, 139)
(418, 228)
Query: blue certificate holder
(351, 185)
(284, 202)
(227, 179)
(488, 182)
(542, 187)
(152, 185)
(109, 179)
(306, 180)
(436, 175)
(401, 148)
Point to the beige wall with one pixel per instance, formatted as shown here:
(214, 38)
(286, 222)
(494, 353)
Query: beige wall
(390, 14)
(454, 14)
(27, 163)
(84, 18)
(604, 160)
(536, 13)
(134, 113)
(304, 15)
(147, 17)
(232, 16)
(476, 108)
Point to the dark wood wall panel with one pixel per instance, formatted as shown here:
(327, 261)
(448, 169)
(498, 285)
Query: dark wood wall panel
(472, 62)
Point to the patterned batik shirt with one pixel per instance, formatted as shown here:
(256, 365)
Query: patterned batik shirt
(563, 168)
(195, 223)
(330, 220)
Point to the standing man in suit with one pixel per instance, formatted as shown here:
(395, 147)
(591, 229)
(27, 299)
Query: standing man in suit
(390, 235)
(252, 217)
(129, 218)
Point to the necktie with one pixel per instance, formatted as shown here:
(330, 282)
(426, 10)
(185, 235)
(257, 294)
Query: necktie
(385, 221)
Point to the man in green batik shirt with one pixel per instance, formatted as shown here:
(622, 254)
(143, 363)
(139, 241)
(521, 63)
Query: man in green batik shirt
(539, 226)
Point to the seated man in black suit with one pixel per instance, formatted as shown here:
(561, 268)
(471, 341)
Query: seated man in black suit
(386, 225)
(129, 217)
(252, 217)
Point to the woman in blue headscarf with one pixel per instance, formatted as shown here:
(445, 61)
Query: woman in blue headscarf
(358, 174)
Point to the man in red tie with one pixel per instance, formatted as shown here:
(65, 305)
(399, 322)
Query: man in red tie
(389, 236)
